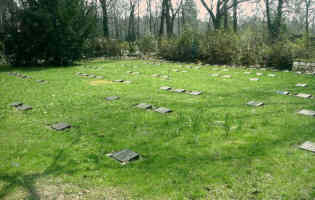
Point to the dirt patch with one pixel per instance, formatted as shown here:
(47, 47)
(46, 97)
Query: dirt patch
(100, 82)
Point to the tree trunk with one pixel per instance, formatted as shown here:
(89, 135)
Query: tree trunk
(235, 16)
(105, 18)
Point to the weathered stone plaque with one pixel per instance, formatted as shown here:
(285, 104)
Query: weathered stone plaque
(125, 156)
(227, 76)
(271, 75)
(179, 90)
(16, 104)
(60, 126)
(247, 72)
(92, 76)
(303, 95)
(84, 75)
(309, 146)
(307, 112)
(118, 81)
(155, 75)
(259, 74)
(195, 93)
(225, 70)
(163, 110)
(283, 92)
(144, 106)
(175, 70)
(301, 85)
(165, 88)
(24, 107)
(41, 81)
(254, 79)
(255, 104)
(112, 98)
(214, 75)
(184, 71)
(99, 77)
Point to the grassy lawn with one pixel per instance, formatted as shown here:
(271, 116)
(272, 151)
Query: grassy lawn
(211, 146)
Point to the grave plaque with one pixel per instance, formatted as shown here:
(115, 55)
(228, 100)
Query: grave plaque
(163, 110)
(60, 126)
(92, 76)
(24, 107)
(118, 81)
(255, 104)
(254, 79)
(99, 77)
(214, 75)
(309, 146)
(144, 106)
(271, 75)
(16, 104)
(155, 75)
(195, 93)
(184, 71)
(125, 156)
(112, 98)
(301, 85)
(259, 74)
(40, 81)
(303, 95)
(84, 75)
(227, 76)
(283, 92)
(179, 90)
(247, 72)
(165, 88)
(307, 112)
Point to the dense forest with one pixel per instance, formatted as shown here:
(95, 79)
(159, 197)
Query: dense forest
(239, 32)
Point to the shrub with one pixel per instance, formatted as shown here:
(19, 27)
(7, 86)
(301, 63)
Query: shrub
(147, 44)
(47, 31)
(99, 47)
(279, 56)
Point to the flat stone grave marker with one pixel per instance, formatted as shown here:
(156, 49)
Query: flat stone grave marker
(165, 76)
(189, 67)
(16, 104)
(259, 74)
(247, 72)
(286, 71)
(163, 110)
(129, 72)
(301, 85)
(84, 75)
(112, 98)
(125, 156)
(196, 93)
(283, 92)
(225, 70)
(99, 77)
(41, 81)
(197, 67)
(127, 82)
(309, 146)
(179, 90)
(214, 75)
(144, 106)
(303, 95)
(24, 107)
(92, 76)
(155, 75)
(307, 112)
(227, 76)
(175, 70)
(118, 81)
(298, 72)
(255, 104)
(165, 88)
(60, 126)
(271, 75)
(254, 79)
(184, 71)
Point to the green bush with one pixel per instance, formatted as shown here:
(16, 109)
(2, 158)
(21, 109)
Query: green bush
(46, 31)
(147, 44)
(279, 56)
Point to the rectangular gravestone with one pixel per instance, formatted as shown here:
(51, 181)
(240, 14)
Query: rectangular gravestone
(303, 95)
(227, 76)
(60, 126)
(16, 104)
(163, 110)
(112, 98)
(195, 93)
(144, 106)
(309, 146)
(254, 79)
(259, 74)
(155, 75)
(214, 75)
(179, 90)
(255, 104)
(99, 77)
(301, 85)
(24, 107)
(125, 156)
(271, 75)
(118, 81)
(307, 112)
(283, 92)
(165, 88)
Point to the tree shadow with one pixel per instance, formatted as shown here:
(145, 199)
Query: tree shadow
(28, 181)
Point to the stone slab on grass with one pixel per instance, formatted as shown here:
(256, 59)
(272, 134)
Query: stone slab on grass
(118, 81)
(179, 90)
(24, 107)
(125, 156)
(283, 92)
(301, 85)
(255, 103)
(165, 88)
(307, 112)
(309, 146)
(254, 79)
(163, 110)
(196, 93)
(60, 126)
(112, 98)
(303, 95)
(144, 106)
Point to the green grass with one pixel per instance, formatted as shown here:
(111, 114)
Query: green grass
(188, 154)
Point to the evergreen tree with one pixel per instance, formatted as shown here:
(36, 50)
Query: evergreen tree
(47, 31)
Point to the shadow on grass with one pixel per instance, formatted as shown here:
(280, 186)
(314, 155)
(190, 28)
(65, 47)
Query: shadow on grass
(28, 181)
